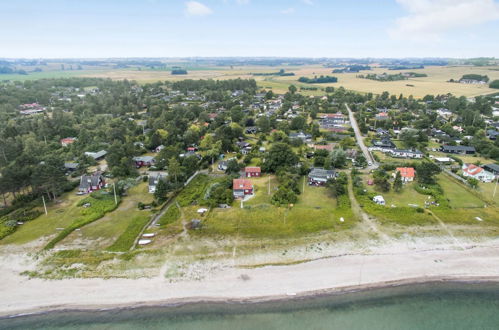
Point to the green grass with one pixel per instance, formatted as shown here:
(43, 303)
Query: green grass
(125, 240)
(170, 216)
(315, 211)
(100, 204)
(60, 215)
(194, 191)
(457, 194)
(403, 198)
(406, 215)
(103, 232)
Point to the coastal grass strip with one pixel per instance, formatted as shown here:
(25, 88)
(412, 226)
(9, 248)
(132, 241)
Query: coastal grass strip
(99, 206)
(126, 240)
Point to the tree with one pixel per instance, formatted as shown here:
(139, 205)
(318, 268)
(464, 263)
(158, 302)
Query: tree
(381, 180)
(409, 137)
(292, 89)
(360, 160)
(337, 158)
(162, 189)
(298, 123)
(174, 169)
(280, 155)
(426, 172)
(233, 167)
(397, 184)
(263, 123)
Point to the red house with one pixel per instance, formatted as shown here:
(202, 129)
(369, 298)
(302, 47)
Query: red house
(250, 172)
(89, 183)
(241, 188)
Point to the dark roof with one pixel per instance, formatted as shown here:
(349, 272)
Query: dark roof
(71, 166)
(458, 148)
(492, 168)
(88, 181)
(321, 173)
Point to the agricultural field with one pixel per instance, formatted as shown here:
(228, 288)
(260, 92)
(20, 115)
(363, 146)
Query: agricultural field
(434, 83)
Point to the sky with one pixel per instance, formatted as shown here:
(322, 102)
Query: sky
(271, 28)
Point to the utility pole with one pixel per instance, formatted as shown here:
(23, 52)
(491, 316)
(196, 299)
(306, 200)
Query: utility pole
(44, 205)
(495, 188)
(115, 198)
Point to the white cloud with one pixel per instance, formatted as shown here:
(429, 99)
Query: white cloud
(429, 19)
(308, 2)
(194, 8)
(288, 11)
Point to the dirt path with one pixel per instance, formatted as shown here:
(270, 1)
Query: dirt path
(447, 230)
(367, 222)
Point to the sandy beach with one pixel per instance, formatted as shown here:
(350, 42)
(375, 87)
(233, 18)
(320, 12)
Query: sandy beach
(389, 264)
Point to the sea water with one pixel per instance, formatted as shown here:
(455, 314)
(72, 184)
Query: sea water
(429, 306)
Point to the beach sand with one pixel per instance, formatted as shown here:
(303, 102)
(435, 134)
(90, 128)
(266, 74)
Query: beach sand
(391, 263)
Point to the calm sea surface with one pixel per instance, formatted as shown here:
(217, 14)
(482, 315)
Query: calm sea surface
(430, 306)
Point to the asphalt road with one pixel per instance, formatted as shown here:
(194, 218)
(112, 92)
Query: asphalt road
(360, 140)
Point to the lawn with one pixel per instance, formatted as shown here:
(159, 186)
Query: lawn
(403, 198)
(315, 211)
(106, 230)
(60, 215)
(487, 190)
(457, 194)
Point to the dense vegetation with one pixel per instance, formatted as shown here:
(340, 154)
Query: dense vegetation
(318, 80)
(477, 77)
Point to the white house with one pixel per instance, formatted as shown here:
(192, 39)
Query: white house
(476, 172)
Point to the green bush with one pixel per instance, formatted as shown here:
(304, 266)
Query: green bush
(194, 191)
(125, 241)
(171, 215)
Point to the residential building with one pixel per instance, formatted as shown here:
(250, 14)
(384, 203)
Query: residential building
(492, 168)
(476, 172)
(463, 150)
(319, 176)
(93, 182)
(251, 172)
(406, 173)
(401, 153)
(67, 141)
(144, 161)
(241, 188)
(96, 155)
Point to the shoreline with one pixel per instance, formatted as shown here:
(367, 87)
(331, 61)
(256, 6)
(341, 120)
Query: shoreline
(180, 302)
(384, 266)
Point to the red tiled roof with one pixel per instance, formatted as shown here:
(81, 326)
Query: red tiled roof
(239, 184)
(406, 172)
(252, 169)
(473, 169)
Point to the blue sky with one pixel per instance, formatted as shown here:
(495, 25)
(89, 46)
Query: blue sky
(291, 28)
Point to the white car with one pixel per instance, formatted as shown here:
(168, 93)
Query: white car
(370, 163)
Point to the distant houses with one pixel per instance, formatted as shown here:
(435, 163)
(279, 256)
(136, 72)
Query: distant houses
(96, 155)
(242, 188)
(463, 150)
(93, 182)
(67, 141)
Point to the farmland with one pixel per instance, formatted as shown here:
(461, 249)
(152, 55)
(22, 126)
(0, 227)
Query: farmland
(434, 83)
